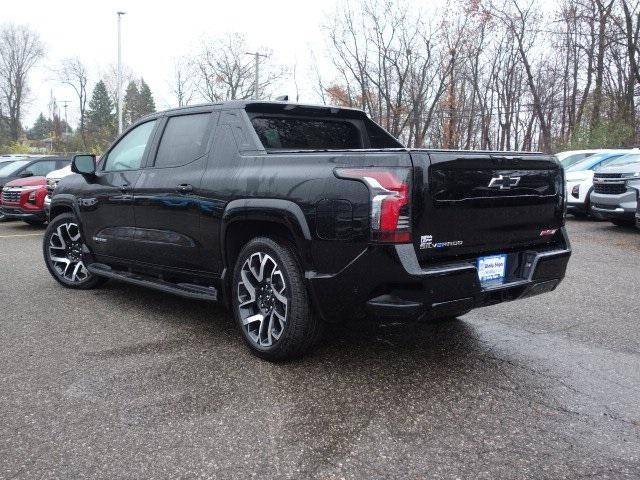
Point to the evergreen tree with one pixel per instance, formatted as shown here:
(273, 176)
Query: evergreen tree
(101, 119)
(147, 105)
(41, 128)
(131, 107)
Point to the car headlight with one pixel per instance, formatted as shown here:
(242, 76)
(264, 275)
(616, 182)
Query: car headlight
(32, 197)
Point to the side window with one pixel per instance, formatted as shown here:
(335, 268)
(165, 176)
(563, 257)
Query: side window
(128, 152)
(184, 139)
(40, 169)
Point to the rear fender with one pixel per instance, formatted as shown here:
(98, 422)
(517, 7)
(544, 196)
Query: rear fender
(284, 213)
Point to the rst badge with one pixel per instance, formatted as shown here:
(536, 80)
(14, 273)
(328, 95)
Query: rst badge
(426, 242)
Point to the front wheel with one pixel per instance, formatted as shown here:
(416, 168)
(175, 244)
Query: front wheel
(62, 249)
(270, 301)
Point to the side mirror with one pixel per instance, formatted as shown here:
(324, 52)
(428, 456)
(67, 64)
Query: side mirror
(26, 174)
(84, 164)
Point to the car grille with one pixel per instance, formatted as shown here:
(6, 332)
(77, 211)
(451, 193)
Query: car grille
(609, 175)
(610, 188)
(11, 196)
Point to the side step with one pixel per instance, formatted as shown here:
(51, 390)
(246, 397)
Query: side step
(187, 290)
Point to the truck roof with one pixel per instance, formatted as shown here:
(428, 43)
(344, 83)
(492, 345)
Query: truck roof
(269, 106)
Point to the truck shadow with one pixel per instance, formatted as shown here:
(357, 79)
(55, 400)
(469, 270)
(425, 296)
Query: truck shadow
(351, 338)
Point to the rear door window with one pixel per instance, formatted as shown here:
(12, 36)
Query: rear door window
(279, 133)
(40, 169)
(184, 139)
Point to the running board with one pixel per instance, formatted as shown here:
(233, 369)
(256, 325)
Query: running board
(187, 290)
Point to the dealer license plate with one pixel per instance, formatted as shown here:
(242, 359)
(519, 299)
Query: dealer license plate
(492, 269)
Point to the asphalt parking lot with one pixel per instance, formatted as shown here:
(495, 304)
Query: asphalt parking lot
(124, 382)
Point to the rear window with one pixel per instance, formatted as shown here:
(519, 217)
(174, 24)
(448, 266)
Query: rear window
(306, 134)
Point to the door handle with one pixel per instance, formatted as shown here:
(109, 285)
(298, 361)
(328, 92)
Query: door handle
(184, 188)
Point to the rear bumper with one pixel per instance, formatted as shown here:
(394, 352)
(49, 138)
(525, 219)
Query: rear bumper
(389, 284)
(18, 213)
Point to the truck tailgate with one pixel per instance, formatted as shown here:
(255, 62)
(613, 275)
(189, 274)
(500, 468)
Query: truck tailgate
(474, 203)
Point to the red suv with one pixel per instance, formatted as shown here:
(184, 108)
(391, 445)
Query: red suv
(23, 199)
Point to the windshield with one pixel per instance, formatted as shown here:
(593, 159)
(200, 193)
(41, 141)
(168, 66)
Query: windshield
(625, 160)
(575, 158)
(586, 163)
(6, 170)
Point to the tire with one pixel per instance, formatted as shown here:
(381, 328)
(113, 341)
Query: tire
(62, 247)
(270, 302)
(35, 223)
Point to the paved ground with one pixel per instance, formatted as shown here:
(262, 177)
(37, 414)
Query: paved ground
(128, 383)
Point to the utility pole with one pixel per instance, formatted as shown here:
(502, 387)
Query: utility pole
(65, 104)
(256, 85)
(119, 80)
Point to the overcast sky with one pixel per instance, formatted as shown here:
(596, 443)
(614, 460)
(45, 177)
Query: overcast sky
(156, 32)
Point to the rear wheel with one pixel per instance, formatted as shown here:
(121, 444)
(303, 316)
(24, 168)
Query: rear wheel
(270, 301)
(62, 248)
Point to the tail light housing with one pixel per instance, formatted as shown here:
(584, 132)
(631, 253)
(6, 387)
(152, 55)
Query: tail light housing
(389, 190)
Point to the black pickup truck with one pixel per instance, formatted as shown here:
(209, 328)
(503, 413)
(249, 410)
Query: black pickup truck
(297, 215)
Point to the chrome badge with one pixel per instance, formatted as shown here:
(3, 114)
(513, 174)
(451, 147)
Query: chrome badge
(426, 242)
(504, 182)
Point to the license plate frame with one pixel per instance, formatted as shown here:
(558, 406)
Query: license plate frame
(492, 269)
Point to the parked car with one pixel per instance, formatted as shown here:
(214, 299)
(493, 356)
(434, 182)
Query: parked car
(52, 182)
(570, 157)
(579, 177)
(29, 167)
(297, 215)
(6, 159)
(615, 194)
(23, 199)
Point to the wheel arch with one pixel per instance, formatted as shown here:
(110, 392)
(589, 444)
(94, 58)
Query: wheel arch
(60, 206)
(245, 219)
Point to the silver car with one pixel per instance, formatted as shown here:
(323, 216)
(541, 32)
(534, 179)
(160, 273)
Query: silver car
(615, 190)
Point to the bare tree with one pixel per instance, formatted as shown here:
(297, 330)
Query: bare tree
(226, 72)
(183, 84)
(603, 15)
(519, 20)
(73, 72)
(20, 50)
(110, 79)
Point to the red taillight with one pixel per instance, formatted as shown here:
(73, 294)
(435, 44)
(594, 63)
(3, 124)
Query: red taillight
(389, 190)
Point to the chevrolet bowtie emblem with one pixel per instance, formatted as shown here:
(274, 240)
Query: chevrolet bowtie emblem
(504, 182)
